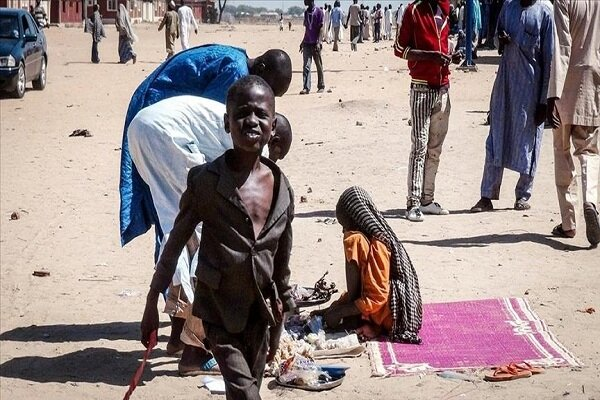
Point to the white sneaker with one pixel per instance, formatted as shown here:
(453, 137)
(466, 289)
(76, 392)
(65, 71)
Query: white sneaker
(414, 214)
(434, 209)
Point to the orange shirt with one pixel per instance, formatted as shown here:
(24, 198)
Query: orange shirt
(373, 260)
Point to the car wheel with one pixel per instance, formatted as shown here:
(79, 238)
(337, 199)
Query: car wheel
(19, 91)
(40, 82)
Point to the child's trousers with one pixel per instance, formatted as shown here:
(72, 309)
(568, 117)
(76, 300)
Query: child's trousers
(241, 357)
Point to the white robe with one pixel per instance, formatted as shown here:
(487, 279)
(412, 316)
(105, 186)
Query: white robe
(186, 20)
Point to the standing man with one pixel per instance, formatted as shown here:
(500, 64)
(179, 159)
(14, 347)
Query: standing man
(355, 19)
(336, 22)
(423, 42)
(399, 16)
(171, 24)
(39, 15)
(96, 28)
(574, 111)
(518, 103)
(311, 45)
(186, 20)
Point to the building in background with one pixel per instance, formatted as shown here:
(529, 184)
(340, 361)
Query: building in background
(72, 11)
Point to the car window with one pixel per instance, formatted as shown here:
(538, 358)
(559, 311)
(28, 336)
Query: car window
(27, 28)
(32, 24)
(9, 27)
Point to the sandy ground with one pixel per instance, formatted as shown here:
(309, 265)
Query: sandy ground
(74, 334)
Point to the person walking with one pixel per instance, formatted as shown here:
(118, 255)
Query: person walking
(186, 21)
(170, 22)
(354, 18)
(311, 46)
(126, 35)
(574, 112)
(336, 22)
(423, 41)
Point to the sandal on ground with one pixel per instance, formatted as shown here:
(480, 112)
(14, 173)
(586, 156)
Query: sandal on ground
(558, 231)
(506, 373)
(522, 205)
(525, 366)
(210, 367)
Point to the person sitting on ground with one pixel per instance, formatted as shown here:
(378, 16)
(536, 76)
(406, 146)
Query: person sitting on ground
(166, 140)
(383, 289)
(246, 205)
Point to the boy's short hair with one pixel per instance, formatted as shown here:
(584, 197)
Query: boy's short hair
(245, 83)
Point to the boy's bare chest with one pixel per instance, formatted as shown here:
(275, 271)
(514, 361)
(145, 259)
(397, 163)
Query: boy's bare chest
(256, 195)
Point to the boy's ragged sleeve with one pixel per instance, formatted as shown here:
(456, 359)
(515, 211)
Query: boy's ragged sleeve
(404, 40)
(281, 274)
(183, 228)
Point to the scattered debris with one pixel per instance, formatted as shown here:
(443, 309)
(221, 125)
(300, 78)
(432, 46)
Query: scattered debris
(41, 274)
(309, 190)
(526, 292)
(589, 310)
(303, 199)
(319, 240)
(329, 91)
(458, 376)
(81, 132)
(15, 216)
(128, 293)
(311, 143)
(327, 221)
(339, 100)
(358, 123)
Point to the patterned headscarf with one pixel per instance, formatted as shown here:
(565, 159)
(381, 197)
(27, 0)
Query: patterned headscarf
(405, 297)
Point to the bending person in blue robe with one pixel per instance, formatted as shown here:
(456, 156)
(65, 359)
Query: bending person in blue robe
(206, 71)
(518, 102)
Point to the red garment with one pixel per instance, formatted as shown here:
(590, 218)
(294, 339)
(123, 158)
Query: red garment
(420, 31)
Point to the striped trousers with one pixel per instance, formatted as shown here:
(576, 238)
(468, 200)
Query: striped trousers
(430, 112)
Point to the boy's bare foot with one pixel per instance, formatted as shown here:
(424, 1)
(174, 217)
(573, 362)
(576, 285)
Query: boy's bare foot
(197, 361)
(175, 345)
(368, 332)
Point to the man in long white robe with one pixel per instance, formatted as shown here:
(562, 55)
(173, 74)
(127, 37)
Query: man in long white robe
(574, 111)
(186, 20)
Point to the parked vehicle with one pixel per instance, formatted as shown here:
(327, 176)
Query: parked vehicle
(23, 52)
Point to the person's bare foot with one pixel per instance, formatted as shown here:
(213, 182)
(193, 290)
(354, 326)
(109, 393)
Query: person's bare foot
(175, 345)
(368, 332)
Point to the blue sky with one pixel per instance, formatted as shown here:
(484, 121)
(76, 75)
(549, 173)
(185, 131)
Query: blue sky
(285, 4)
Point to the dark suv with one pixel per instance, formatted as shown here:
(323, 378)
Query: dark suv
(23, 52)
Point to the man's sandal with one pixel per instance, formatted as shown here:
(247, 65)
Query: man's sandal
(558, 231)
(210, 367)
(506, 373)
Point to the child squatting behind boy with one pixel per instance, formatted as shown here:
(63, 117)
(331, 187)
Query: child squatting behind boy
(246, 206)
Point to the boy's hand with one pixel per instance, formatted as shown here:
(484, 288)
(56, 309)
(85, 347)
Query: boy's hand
(274, 337)
(150, 318)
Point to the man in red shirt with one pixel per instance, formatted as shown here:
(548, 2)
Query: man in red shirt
(423, 42)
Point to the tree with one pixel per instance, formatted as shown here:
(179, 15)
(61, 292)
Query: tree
(295, 10)
(222, 4)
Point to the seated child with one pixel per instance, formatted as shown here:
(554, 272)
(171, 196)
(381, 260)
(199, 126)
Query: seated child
(383, 289)
(246, 206)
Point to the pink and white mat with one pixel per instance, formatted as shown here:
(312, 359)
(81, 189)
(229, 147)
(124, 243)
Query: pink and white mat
(470, 335)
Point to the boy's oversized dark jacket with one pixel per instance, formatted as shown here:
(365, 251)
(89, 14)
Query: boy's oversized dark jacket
(236, 272)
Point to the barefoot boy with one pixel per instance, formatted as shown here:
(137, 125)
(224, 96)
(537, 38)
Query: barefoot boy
(246, 205)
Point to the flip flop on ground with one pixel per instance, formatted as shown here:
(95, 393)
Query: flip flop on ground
(525, 366)
(506, 373)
